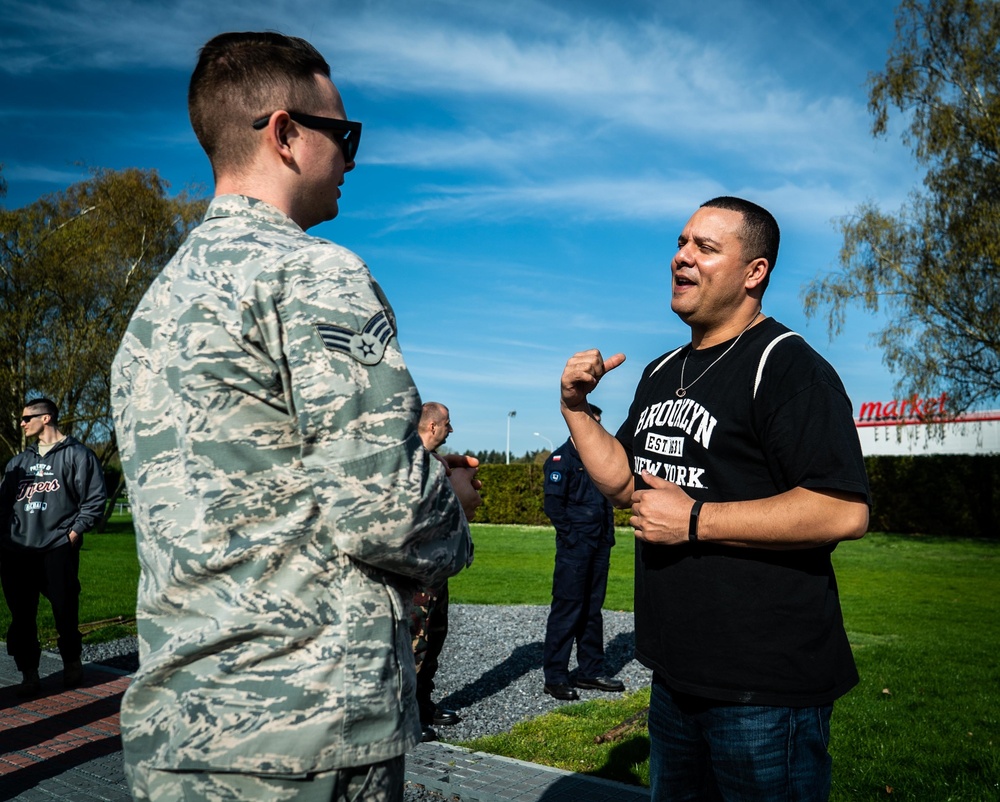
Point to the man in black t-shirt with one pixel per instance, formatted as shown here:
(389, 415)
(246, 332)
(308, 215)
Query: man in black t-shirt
(742, 465)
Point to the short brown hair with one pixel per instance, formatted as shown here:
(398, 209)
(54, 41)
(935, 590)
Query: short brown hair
(239, 78)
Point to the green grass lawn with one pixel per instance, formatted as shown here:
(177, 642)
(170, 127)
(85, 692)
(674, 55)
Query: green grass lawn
(922, 616)
(513, 565)
(921, 613)
(923, 724)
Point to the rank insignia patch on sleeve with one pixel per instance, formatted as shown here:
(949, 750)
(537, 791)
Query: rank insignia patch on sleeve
(367, 346)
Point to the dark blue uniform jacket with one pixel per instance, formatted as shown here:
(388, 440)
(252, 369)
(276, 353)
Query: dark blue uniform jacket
(573, 503)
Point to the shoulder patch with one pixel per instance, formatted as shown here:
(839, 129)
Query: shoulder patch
(556, 457)
(555, 477)
(366, 346)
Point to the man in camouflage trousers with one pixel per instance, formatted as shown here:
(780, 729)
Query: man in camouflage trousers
(429, 614)
(284, 506)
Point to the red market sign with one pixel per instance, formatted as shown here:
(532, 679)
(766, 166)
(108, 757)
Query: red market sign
(916, 410)
(909, 410)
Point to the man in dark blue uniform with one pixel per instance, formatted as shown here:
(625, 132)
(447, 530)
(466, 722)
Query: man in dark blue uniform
(585, 533)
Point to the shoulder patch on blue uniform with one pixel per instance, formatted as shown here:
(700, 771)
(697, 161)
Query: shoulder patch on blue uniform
(555, 476)
(366, 346)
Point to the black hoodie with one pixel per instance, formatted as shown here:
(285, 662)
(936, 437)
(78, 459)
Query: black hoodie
(43, 499)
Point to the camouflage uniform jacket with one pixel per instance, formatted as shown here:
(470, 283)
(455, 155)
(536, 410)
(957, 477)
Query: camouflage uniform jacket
(283, 504)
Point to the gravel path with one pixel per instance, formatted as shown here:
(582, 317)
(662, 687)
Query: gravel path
(490, 669)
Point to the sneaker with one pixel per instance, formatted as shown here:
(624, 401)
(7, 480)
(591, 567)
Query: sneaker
(72, 674)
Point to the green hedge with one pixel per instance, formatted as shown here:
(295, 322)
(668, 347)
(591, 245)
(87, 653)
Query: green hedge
(932, 495)
(936, 495)
(514, 494)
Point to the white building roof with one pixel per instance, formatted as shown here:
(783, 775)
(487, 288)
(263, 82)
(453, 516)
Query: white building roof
(970, 433)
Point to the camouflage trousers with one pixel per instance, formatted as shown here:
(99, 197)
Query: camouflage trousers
(428, 630)
(379, 782)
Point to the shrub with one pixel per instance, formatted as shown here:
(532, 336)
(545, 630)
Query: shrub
(931, 495)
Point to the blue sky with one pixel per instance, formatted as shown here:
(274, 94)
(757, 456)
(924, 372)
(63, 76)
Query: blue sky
(525, 166)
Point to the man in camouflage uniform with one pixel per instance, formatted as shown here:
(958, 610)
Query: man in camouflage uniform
(429, 614)
(284, 506)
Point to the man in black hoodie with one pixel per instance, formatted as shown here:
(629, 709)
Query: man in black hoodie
(52, 493)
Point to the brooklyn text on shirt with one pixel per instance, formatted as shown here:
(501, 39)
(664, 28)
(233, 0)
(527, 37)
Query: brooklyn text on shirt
(684, 414)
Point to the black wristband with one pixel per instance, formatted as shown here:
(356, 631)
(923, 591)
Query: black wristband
(693, 525)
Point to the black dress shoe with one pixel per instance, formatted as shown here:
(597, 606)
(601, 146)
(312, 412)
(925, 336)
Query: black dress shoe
(427, 734)
(600, 684)
(443, 717)
(561, 691)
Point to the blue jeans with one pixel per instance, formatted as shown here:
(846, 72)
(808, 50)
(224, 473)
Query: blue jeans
(704, 750)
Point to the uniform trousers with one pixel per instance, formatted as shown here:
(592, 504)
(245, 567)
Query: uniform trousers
(579, 584)
(428, 630)
(28, 574)
(379, 782)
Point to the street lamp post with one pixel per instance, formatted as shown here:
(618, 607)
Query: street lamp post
(551, 447)
(510, 415)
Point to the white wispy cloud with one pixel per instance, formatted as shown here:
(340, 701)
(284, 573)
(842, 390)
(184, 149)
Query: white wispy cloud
(539, 94)
(650, 199)
(623, 198)
(642, 73)
(18, 171)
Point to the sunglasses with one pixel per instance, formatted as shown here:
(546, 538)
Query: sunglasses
(26, 418)
(347, 134)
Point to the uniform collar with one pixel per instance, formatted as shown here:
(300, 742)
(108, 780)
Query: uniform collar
(244, 206)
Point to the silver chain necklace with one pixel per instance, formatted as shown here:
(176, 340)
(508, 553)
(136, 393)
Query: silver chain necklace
(682, 390)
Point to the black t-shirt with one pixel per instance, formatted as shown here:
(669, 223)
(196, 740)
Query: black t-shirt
(752, 626)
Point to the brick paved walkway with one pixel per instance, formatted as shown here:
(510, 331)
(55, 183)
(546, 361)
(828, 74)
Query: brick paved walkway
(62, 744)
(65, 745)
